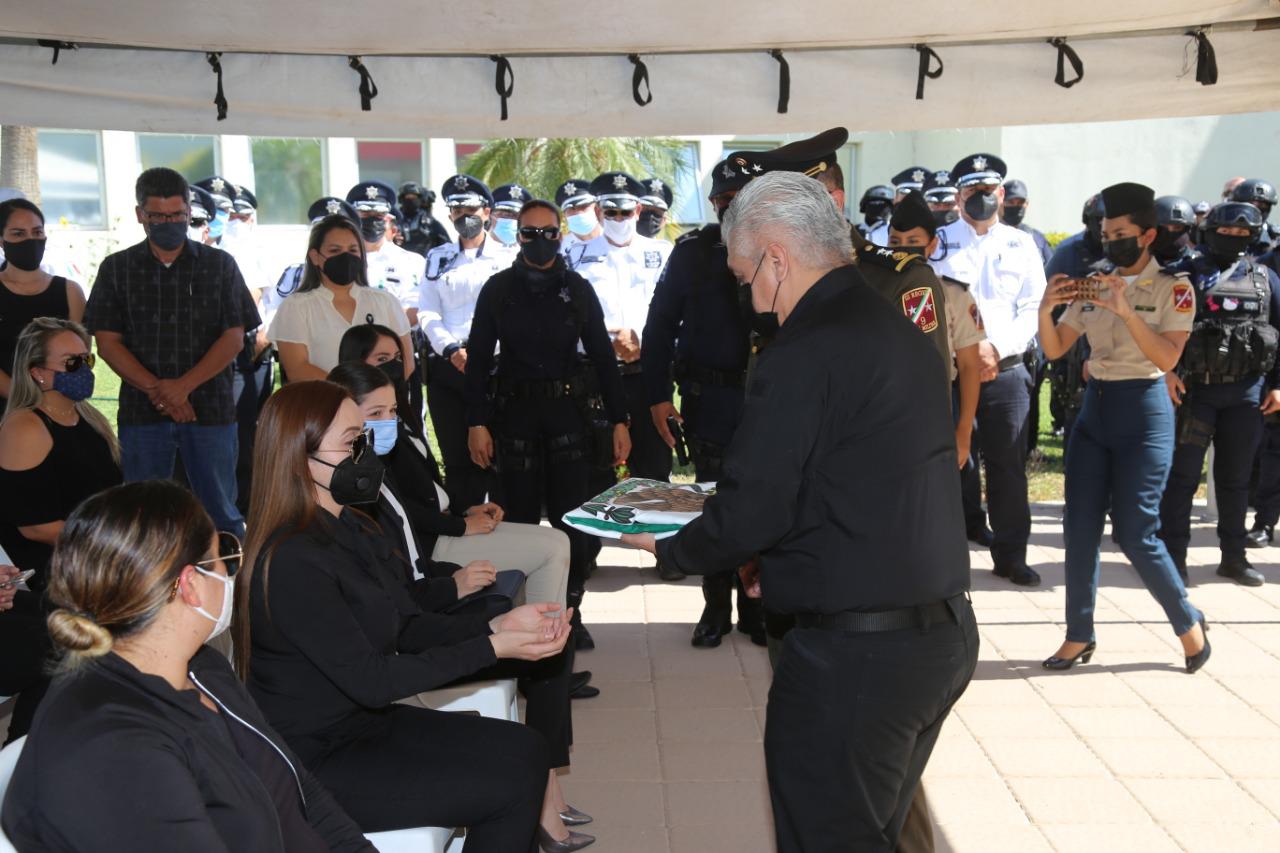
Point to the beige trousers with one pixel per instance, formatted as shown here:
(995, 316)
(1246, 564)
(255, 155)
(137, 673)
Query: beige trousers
(542, 553)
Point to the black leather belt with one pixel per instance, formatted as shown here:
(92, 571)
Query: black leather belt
(869, 622)
(692, 373)
(1010, 361)
(628, 368)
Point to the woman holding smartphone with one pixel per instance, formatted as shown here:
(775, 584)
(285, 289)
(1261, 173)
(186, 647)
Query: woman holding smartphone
(1137, 320)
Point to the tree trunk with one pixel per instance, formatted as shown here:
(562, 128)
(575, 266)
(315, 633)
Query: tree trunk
(19, 161)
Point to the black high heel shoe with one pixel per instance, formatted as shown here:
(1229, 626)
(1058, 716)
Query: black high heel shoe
(1197, 661)
(1085, 655)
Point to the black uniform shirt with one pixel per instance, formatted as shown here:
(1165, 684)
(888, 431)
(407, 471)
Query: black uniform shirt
(842, 475)
(695, 315)
(539, 318)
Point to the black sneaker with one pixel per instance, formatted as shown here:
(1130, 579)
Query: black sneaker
(1259, 537)
(980, 536)
(1020, 575)
(1239, 570)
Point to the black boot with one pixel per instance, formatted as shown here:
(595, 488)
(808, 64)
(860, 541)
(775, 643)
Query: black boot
(717, 615)
(1237, 568)
(1260, 536)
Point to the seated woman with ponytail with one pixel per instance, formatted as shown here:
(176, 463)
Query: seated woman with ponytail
(146, 740)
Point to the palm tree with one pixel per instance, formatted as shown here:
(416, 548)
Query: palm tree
(18, 160)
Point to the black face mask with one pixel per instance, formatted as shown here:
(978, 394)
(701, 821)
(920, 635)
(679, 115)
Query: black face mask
(945, 217)
(342, 269)
(469, 226)
(355, 481)
(539, 251)
(373, 228)
(167, 235)
(981, 206)
(1124, 252)
(25, 255)
(410, 208)
(877, 211)
(1225, 250)
(650, 223)
(1169, 245)
(1093, 234)
(1013, 215)
(394, 369)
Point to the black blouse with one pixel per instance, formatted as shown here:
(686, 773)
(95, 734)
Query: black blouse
(17, 310)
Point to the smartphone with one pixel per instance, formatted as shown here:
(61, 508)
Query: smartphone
(22, 577)
(1091, 289)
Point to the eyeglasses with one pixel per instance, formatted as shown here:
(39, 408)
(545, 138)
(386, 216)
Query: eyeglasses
(549, 232)
(72, 363)
(156, 218)
(230, 552)
(615, 213)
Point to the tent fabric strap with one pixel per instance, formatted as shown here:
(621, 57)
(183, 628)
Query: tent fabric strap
(368, 88)
(927, 56)
(219, 99)
(1067, 54)
(640, 77)
(57, 47)
(504, 81)
(1206, 58)
(784, 80)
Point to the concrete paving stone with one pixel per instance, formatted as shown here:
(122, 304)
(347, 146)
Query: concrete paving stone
(1154, 757)
(1060, 757)
(722, 805)
(999, 692)
(615, 803)
(1252, 691)
(989, 838)
(761, 714)
(609, 665)
(970, 800)
(1083, 686)
(714, 762)
(1080, 801)
(1244, 757)
(595, 724)
(958, 756)
(619, 694)
(633, 760)
(1210, 720)
(630, 839)
(730, 836)
(708, 663)
(1224, 836)
(1030, 719)
(1116, 721)
(1147, 837)
(1217, 801)
(759, 690)
(708, 725)
(1198, 692)
(690, 692)
(1265, 791)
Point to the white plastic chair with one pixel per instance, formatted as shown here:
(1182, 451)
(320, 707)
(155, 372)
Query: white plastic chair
(8, 761)
(495, 699)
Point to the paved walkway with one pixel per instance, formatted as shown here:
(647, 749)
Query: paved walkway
(1126, 753)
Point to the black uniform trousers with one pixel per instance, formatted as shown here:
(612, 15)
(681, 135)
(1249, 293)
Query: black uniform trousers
(1227, 412)
(650, 457)
(1001, 438)
(447, 405)
(852, 721)
(1267, 495)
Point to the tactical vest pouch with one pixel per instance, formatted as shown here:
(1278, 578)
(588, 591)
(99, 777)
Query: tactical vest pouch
(1191, 430)
(600, 432)
(518, 454)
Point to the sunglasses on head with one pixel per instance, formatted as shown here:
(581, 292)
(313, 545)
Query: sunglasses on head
(549, 232)
(615, 213)
(230, 552)
(72, 363)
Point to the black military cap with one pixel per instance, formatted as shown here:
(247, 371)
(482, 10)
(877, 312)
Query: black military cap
(1014, 188)
(372, 195)
(1174, 210)
(617, 189)
(911, 178)
(939, 188)
(466, 191)
(245, 201)
(222, 190)
(202, 203)
(574, 192)
(511, 197)
(1125, 198)
(811, 156)
(330, 206)
(734, 172)
(985, 169)
(657, 194)
(913, 212)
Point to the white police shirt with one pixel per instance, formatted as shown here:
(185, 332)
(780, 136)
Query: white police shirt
(397, 271)
(451, 283)
(272, 297)
(879, 233)
(623, 277)
(1005, 274)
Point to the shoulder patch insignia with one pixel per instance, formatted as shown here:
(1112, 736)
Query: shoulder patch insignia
(1184, 301)
(920, 309)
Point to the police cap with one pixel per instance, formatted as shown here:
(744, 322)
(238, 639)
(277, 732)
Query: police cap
(939, 188)
(1174, 210)
(1255, 190)
(330, 206)
(617, 189)
(574, 192)
(376, 196)
(245, 201)
(911, 178)
(1014, 188)
(656, 194)
(734, 172)
(986, 170)
(1125, 198)
(511, 197)
(466, 191)
(811, 156)
(202, 204)
(913, 212)
(222, 190)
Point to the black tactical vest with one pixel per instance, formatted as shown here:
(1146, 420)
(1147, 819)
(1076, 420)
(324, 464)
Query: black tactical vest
(1232, 338)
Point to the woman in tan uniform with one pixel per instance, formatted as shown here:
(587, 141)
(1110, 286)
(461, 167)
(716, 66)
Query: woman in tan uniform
(1137, 320)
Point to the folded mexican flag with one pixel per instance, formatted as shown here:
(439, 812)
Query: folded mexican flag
(640, 506)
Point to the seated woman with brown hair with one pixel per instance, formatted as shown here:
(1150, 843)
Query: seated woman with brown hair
(147, 741)
(331, 638)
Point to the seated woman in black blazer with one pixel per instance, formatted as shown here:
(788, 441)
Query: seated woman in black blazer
(147, 740)
(331, 638)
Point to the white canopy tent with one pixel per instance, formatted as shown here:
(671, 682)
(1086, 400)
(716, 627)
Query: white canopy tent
(141, 65)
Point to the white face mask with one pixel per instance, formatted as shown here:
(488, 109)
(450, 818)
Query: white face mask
(223, 619)
(237, 230)
(196, 234)
(620, 231)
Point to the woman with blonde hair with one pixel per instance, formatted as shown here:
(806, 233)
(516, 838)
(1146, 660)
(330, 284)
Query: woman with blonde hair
(148, 741)
(56, 449)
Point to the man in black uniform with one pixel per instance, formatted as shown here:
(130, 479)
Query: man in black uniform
(1175, 222)
(1227, 373)
(876, 206)
(843, 483)
(1262, 195)
(1013, 211)
(422, 231)
(698, 330)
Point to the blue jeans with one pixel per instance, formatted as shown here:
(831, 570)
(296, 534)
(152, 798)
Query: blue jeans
(208, 454)
(1121, 449)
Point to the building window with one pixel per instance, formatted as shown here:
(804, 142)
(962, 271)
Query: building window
(70, 166)
(289, 176)
(689, 205)
(194, 156)
(393, 163)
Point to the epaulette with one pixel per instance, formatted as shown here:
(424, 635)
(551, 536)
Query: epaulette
(957, 282)
(894, 259)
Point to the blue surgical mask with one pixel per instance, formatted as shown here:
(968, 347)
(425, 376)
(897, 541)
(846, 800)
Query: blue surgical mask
(583, 223)
(384, 435)
(218, 224)
(505, 230)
